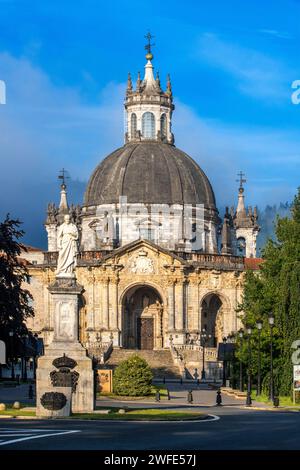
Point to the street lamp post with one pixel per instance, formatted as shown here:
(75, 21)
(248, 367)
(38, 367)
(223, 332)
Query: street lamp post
(36, 353)
(224, 361)
(230, 339)
(24, 358)
(204, 338)
(259, 327)
(241, 335)
(271, 323)
(11, 335)
(248, 400)
(25, 369)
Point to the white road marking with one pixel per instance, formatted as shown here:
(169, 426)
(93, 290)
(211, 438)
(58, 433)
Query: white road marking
(214, 418)
(29, 430)
(39, 436)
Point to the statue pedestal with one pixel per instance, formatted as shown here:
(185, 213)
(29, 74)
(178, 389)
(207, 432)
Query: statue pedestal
(65, 363)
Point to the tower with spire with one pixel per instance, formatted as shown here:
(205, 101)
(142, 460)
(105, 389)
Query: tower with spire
(245, 224)
(56, 214)
(148, 107)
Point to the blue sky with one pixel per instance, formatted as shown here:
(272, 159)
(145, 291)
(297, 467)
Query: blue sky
(65, 65)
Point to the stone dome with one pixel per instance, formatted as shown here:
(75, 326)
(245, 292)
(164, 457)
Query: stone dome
(149, 172)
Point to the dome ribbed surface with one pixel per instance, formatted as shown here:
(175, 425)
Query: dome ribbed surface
(149, 173)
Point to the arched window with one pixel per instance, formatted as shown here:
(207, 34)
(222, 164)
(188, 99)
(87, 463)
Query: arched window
(133, 125)
(148, 125)
(163, 125)
(241, 246)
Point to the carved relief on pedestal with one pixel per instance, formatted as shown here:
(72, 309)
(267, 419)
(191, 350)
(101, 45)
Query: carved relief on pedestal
(65, 323)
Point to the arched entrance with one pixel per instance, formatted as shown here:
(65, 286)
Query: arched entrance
(212, 318)
(142, 318)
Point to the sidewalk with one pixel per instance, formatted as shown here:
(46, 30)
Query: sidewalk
(203, 397)
(18, 393)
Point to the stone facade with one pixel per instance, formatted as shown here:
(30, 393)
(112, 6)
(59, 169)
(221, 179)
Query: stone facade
(175, 293)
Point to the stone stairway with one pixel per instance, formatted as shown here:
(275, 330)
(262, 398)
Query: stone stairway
(160, 361)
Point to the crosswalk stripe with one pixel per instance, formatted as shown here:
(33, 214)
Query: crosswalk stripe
(53, 434)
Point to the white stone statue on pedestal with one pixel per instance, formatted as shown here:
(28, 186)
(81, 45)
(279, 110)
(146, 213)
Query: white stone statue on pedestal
(67, 241)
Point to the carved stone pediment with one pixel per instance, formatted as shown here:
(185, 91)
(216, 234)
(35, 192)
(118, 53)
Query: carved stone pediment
(141, 263)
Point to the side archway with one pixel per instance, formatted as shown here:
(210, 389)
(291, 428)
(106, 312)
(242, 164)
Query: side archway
(214, 308)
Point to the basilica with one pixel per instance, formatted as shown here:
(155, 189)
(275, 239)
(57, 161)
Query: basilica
(160, 270)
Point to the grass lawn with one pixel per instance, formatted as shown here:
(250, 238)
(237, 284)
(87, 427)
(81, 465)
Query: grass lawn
(142, 415)
(131, 414)
(21, 412)
(154, 389)
(283, 401)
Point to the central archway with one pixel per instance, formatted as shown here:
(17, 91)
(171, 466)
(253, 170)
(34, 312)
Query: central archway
(142, 318)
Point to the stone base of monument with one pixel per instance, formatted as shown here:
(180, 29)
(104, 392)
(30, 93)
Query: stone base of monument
(65, 363)
(66, 367)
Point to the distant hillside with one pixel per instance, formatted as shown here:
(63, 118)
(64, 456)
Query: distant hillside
(267, 219)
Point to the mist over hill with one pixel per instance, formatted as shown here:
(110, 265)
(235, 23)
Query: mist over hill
(32, 211)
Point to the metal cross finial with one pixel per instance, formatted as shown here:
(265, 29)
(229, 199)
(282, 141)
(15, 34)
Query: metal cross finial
(63, 176)
(148, 46)
(241, 179)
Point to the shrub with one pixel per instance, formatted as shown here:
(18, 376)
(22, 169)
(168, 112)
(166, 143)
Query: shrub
(132, 377)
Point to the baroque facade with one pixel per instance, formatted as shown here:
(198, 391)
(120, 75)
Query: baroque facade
(157, 264)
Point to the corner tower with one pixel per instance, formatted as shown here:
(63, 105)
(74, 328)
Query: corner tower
(245, 224)
(148, 108)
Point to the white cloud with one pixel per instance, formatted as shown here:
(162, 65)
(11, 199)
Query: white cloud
(269, 157)
(275, 33)
(256, 74)
(44, 127)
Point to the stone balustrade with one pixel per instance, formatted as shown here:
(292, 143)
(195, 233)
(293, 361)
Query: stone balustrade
(214, 261)
(204, 260)
(210, 353)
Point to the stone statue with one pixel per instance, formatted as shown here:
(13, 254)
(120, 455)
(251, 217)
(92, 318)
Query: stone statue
(67, 238)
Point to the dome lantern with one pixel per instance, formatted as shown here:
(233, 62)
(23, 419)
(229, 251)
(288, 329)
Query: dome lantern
(148, 108)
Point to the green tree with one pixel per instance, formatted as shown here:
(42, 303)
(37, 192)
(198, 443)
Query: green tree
(15, 301)
(276, 289)
(133, 377)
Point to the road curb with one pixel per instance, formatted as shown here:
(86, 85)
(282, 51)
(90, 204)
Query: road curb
(17, 417)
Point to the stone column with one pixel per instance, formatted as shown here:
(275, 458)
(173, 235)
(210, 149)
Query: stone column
(105, 304)
(171, 305)
(114, 304)
(179, 320)
(91, 303)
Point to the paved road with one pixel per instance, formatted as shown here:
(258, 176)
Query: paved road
(236, 429)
